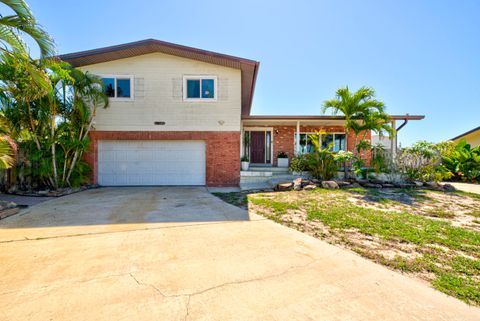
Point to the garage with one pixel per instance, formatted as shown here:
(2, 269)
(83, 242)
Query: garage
(151, 162)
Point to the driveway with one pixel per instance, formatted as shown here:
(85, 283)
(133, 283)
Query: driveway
(182, 254)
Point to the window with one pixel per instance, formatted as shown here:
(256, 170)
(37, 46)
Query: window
(306, 145)
(120, 87)
(337, 139)
(200, 88)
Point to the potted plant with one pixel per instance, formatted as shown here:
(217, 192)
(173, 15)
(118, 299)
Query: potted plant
(282, 159)
(245, 163)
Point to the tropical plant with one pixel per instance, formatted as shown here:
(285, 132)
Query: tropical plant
(22, 22)
(463, 161)
(322, 163)
(380, 162)
(244, 158)
(422, 162)
(299, 163)
(55, 126)
(363, 114)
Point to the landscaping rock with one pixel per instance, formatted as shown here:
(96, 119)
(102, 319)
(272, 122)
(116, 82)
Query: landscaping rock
(354, 185)
(418, 184)
(310, 187)
(405, 185)
(370, 185)
(377, 181)
(433, 185)
(343, 184)
(297, 184)
(330, 184)
(285, 186)
(43, 193)
(387, 185)
(449, 188)
(363, 181)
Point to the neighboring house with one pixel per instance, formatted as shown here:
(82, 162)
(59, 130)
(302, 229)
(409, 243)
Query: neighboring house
(472, 137)
(181, 116)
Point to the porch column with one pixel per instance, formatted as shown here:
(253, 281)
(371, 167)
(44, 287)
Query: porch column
(297, 145)
(393, 142)
(242, 134)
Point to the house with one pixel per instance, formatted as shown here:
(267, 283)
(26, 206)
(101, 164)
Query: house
(181, 116)
(472, 137)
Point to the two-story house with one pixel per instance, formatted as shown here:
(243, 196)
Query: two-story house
(181, 116)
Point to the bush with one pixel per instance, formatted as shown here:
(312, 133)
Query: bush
(422, 162)
(463, 161)
(322, 164)
(299, 163)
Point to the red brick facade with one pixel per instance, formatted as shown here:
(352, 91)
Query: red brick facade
(222, 151)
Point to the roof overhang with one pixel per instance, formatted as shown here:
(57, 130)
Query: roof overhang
(466, 133)
(249, 68)
(310, 120)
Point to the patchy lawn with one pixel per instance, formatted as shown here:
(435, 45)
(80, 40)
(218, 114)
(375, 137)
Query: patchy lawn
(432, 235)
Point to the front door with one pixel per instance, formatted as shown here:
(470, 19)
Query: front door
(257, 147)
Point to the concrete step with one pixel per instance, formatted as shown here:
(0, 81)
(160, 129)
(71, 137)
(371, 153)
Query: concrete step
(267, 169)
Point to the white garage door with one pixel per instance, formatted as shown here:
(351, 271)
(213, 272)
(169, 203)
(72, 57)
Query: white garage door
(143, 162)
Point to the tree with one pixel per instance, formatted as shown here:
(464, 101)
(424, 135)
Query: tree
(363, 113)
(55, 126)
(23, 21)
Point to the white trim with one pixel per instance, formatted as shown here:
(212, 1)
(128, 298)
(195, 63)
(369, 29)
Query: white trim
(200, 77)
(115, 77)
(261, 129)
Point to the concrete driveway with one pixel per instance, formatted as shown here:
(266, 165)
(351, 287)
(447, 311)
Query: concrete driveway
(182, 254)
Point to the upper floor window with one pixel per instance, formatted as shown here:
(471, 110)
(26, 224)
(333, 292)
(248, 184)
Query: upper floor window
(120, 87)
(200, 88)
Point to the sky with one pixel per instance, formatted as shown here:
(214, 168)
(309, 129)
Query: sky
(421, 57)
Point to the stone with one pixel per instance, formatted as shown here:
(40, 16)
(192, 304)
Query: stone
(405, 185)
(330, 184)
(309, 187)
(387, 185)
(370, 185)
(285, 186)
(449, 187)
(363, 181)
(418, 183)
(343, 184)
(377, 181)
(297, 184)
(433, 185)
(354, 185)
(43, 193)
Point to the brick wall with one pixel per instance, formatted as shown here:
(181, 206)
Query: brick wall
(222, 151)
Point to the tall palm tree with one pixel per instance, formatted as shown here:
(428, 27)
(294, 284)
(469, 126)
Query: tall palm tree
(362, 111)
(23, 21)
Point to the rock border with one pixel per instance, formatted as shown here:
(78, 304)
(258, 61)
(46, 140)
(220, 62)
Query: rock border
(299, 184)
(49, 193)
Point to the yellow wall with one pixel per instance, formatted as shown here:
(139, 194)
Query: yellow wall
(473, 138)
(158, 96)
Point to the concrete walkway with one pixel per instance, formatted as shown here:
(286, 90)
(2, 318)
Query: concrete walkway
(183, 254)
(466, 187)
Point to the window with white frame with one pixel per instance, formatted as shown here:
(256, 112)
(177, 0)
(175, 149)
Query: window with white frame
(306, 145)
(118, 87)
(200, 88)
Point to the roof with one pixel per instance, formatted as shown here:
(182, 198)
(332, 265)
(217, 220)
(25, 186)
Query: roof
(249, 68)
(466, 133)
(321, 117)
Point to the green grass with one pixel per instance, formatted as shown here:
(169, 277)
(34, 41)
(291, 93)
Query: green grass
(438, 244)
(438, 212)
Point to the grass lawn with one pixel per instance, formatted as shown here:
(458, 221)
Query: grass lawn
(431, 235)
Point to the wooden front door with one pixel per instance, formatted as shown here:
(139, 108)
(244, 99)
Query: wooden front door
(257, 147)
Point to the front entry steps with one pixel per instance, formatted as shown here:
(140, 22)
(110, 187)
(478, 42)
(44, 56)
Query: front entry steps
(259, 178)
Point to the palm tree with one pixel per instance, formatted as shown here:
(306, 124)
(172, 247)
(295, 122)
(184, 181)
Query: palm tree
(362, 111)
(23, 21)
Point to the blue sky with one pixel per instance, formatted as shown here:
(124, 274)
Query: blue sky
(422, 57)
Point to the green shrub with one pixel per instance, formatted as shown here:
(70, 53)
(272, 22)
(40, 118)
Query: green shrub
(322, 163)
(299, 163)
(463, 162)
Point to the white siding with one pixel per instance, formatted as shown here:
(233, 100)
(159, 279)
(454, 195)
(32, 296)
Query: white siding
(158, 96)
